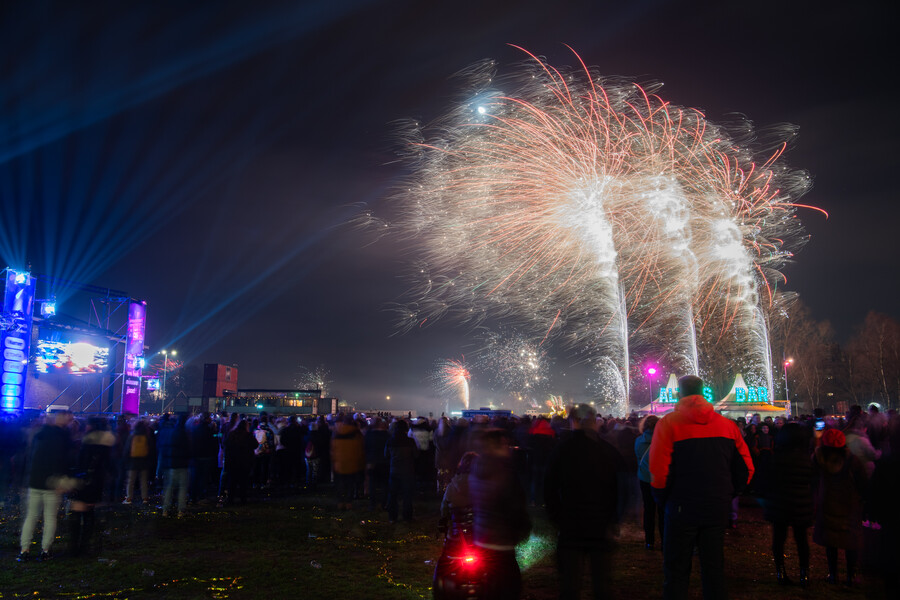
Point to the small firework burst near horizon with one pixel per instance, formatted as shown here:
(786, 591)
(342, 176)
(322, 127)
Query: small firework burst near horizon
(451, 378)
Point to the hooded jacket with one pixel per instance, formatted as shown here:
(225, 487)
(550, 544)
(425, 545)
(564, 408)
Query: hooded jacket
(698, 463)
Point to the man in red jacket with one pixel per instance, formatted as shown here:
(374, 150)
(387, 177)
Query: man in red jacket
(698, 463)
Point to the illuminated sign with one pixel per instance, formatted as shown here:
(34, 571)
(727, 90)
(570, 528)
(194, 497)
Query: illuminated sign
(668, 395)
(751, 394)
(134, 352)
(15, 337)
(153, 384)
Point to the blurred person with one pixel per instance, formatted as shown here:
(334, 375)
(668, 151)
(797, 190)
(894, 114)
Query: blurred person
(840, 481)
(698, 464)
(91, 469)
(317, 452)
(582, 497)
(377, 466)
(140, 458)
(501, 519)
(541, 442)
(239, 456)
(347, 459)
(175, 458)
(204, 453)
(48, 463)
(788, 498)
(654, 514)
(264, 452)
(401, 452)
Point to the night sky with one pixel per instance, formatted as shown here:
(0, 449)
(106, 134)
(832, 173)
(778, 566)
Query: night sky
(207, 157)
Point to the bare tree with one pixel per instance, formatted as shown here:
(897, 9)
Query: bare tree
(874, 354)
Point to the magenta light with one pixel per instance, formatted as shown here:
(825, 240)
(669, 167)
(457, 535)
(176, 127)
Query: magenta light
(652, 370)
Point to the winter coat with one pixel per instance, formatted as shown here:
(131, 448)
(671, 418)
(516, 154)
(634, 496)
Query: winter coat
(374, 442)
(347, 449)
(840, 480)
(457, 497)
(401, 452)
(581, 487)
(788, 491)
(93, 459)
(641, 453)
(51, 450)
(499, 503)
(698, 463)
(174, 447)
(239, 447)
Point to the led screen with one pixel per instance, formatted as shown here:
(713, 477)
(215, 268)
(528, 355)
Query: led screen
(80, 355)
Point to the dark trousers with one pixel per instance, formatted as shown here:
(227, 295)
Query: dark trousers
(400, 487)
(678, 549)
(831, 555)
(201, 472)
(570, 559)
(779, 536)
(504, 580)
(654, 514)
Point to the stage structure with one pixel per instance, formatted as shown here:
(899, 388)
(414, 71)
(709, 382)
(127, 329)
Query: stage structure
(55, 359)
(15, 337)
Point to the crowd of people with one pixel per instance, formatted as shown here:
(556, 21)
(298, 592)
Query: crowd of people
(838, 476)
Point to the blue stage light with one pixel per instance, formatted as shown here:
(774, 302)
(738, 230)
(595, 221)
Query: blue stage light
(21, 277)
(48, 309)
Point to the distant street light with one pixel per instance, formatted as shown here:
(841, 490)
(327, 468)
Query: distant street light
(787, 394)
(651, 371)
(165, 354)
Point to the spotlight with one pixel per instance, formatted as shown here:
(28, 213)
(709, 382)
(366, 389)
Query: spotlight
(21, 277)
(48, 308)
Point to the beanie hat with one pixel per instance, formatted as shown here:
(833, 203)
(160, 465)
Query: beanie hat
(834, 438)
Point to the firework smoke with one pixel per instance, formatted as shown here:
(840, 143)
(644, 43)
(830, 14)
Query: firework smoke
(589, 212)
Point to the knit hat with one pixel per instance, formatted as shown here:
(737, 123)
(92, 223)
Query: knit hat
(834, 438)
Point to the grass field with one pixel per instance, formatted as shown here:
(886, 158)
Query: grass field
(302, 547)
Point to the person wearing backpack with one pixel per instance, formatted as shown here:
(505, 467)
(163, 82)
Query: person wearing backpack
(265, 438)
(140, 458)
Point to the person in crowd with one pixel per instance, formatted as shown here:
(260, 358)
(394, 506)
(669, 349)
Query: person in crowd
(654, 516)
(444, 455)
(140, 456)
(347, 458)
(225, 428)
(290, 439)
(788, 498)
(401, 452)
(456, 504)
(698, 463)
(48, 463)
(204, 451)
(175, 458)
(317, 451)
(840, 481)
(263, 454)
(884, 490)
(501, 519)
(377, 466)
(581, 496)
(91, 470)
(540, 441)
(239, 456)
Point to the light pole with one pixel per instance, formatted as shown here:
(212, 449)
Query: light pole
(787, 394)
(165, 354)
(651, 371)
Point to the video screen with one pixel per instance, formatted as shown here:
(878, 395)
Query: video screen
(59, 352)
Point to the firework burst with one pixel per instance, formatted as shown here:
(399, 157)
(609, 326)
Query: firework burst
(451, 378)
(589, 211)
